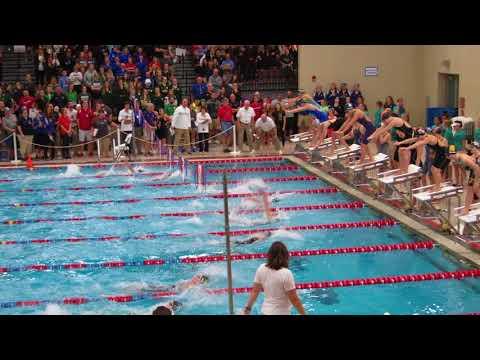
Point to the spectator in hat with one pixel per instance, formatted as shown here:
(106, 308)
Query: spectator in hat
(456, 144)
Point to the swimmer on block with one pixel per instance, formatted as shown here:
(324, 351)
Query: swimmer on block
(367, 147)
(320, 119)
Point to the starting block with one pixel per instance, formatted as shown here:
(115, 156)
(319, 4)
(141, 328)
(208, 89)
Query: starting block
(358, 172)
(470, 222)
(426, 199)
(391, 179)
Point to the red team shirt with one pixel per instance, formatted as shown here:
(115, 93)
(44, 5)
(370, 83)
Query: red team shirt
(85, 118)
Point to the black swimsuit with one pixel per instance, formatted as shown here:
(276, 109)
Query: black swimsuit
(409, 133)
(440, 161)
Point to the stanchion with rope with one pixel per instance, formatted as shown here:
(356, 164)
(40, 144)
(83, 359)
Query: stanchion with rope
(15, 151)
(235, 151)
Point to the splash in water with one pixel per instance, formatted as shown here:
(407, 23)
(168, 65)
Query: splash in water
(72, 170)
(54, 309)
(287, 234)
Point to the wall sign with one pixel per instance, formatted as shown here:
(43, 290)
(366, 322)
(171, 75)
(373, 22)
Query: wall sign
(371, 71)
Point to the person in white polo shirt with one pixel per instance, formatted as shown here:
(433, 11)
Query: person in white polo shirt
(203, 121)
(245, 124)
(181, 124)
(266, 133)
(125, 118)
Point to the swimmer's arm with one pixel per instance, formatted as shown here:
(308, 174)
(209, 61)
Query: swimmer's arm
(348, 136)
(253, 297)
(295, 300)
(381, 130)
(416, 145)
(407, 141)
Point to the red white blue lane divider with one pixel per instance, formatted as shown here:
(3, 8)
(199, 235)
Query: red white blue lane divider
(236, 160)
(347, 225)
(130, 186)
(192, 259)
(350, 205)
(256, 169)
(382, 280)
(324, 190)
(98, 176)
(159, 163)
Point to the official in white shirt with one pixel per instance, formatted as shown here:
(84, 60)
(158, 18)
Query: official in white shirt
(203, 121)
(245, 124)
(125, 117)
(266, 133)
(181, 124)
(278, 284)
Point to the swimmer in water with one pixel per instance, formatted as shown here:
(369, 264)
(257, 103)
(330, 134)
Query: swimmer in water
(182, 286)
(167, 309)
(264, 200)
(255, 238)
(132, 170)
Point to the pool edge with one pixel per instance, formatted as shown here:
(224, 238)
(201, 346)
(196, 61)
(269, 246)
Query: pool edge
(447, 244)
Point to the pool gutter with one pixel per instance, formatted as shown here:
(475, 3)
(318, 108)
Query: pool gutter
(444, 242)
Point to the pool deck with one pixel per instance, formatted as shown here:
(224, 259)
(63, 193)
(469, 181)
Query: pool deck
(444, 242)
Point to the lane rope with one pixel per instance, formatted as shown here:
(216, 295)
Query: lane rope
(348, 225)
(324, 190)
(161, 163)
(255, 169)
(129, 186)
(195, 259)
(382, 280)
(350, 205)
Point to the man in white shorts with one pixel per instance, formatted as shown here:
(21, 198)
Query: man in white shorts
(266, 133)
(245, 123)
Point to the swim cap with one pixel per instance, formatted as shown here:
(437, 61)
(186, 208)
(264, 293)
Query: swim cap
(204, 278)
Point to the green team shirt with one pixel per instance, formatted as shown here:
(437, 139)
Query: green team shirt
(477, 135)
(456, 139)
(378, 118)
(169, 109)
(72, 96)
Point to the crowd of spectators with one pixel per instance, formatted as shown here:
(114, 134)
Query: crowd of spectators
(83, 93)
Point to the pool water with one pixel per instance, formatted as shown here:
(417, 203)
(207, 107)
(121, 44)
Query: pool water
(54, 186)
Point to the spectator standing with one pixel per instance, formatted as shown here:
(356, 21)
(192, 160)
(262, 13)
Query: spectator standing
(149, 128)
(456, 143)
(101, 125)
(318, 94)
(225, 115)
(266, 132)
(216, 80)
(76, 78)
(44, 130)
(245, 124)
(276, 280)
(389, 103)
(170, 106)
(59, 99)
(125, 118)
(25, 132)
(72, 95)
(64, 81)
(26, 100)
(399, 108)
(203, 122)
(181, 123)
(65, 131)
(292, 119)
(162, 126)
(9, 123)
(332, 94)
(85, 117)
(355, 93)
(138, 125)
(280, 120)
(257, 105)
(378, 114)
(199, 89)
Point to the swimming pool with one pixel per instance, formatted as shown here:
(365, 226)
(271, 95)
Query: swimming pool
(73, 242)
